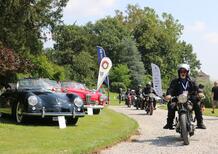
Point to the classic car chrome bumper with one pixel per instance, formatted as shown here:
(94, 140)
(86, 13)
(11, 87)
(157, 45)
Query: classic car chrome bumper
(94, 106)
(43, 114)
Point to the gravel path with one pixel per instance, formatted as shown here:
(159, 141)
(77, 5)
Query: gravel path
(154, 139)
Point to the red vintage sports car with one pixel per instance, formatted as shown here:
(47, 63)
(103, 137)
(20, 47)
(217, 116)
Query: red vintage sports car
(91, 98)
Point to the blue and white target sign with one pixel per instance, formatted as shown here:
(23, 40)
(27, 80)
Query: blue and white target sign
(104, 69)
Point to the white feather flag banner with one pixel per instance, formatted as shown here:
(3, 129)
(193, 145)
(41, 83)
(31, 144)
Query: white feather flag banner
(156, 79)
(104, 69)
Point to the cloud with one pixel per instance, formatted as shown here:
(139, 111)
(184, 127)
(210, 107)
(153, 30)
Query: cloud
(200, 31)
(84, 8)
(198, 26)
(212, 37)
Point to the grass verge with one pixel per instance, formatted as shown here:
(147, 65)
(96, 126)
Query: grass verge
(114, 99)
(207, 111)
(90, 134)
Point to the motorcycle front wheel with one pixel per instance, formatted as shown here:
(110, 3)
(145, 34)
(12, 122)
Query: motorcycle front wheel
(184, 130)
(151, 108)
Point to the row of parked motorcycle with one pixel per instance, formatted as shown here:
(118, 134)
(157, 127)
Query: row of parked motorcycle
(140, 100)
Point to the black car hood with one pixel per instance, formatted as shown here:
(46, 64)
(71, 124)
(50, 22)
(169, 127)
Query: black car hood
(53, 98)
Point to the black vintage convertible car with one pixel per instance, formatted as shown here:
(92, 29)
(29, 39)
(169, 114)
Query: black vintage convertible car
(31, 97)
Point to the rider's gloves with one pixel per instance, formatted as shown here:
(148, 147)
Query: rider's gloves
(172, 105)
(168, 98)
(201, 95)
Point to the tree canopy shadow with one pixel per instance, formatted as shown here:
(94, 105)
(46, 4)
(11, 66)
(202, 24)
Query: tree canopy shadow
(162, 141)
(142, 114)
(31, 121)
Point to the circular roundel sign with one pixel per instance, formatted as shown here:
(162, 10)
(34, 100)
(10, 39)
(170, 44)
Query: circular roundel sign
(105, 64)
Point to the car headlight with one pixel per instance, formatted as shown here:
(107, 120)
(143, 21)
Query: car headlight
(101, 98)
(78, 101)
(182, 98)
(32, 100)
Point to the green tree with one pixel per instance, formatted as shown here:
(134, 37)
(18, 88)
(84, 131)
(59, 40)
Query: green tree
(23, 23)
(135, 37)
(187, 56)
(84, 69)
(129, 55)
(109, 33)
(158, 40)
(71, 40)
(74, 38)
(46, 69)
(120, 73)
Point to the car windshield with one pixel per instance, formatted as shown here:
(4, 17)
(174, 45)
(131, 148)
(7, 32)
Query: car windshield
(33, 84)
(75, 85)
(53, 83)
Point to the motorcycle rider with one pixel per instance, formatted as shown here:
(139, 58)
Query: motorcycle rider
(120, 95)
(147, 90)
(138, 95)
(177, 86)
(127, 94)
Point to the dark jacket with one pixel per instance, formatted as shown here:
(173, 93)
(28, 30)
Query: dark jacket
(177, 87)
(138, 91)
(148, 90)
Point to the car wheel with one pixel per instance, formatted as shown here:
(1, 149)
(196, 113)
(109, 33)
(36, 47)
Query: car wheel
(71, 120)
(18, 112)
(96, 111)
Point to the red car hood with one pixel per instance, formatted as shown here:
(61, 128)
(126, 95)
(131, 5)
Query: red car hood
(82, 93)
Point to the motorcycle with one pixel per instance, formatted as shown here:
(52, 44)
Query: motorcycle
(139, 102)
(184, 124)
(149, 99)
(129, 100)
(133, 97)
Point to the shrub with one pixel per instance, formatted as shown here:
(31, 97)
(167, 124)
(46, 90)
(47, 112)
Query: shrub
(207, 92)
(116, 85)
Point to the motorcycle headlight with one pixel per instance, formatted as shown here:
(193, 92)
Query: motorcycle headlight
(32, 100)
(151, 95)
(182, 98)
(78, 101)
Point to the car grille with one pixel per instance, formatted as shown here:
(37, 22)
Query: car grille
(88, 99)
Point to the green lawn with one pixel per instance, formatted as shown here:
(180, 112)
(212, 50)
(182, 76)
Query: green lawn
(162, 106)
(91, 133)
(207, 111)
(114, 99)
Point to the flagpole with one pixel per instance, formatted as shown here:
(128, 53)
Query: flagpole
(108, 92)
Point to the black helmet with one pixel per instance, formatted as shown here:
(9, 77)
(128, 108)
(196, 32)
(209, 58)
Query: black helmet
(148, 84)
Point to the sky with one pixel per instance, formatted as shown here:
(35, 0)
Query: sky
(199, 18)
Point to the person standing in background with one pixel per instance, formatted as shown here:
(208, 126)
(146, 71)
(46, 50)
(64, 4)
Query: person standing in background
(214, 96)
